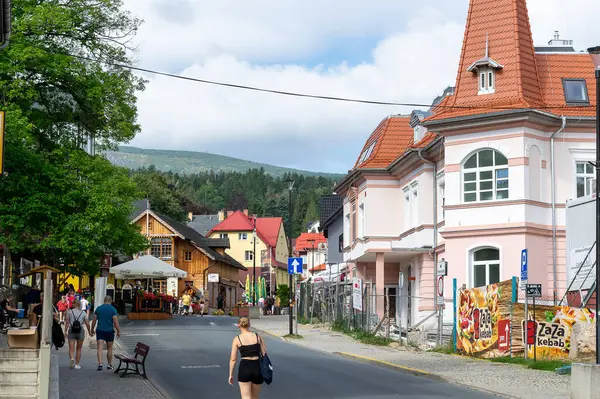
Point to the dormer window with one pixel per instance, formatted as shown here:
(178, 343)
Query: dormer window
(487, 79)
(576, 92)
(367, 152)
(485, 69)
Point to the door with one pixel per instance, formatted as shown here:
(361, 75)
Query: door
(391, 301)
(409, 298)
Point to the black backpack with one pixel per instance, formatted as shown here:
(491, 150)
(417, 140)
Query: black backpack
(76, 326)
(58, 337)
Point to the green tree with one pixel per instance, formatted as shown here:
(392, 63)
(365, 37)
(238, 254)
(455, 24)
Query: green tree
(162, 198)
(66, 206)
(60, 93)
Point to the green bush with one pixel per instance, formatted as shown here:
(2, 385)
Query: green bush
(283, 293)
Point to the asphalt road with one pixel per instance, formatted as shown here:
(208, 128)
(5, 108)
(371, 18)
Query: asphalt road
(189, 357)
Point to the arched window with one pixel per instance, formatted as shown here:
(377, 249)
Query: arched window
(486, 267)
(485, 176)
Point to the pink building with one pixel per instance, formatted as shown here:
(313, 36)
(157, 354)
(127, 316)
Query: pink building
(482, 175)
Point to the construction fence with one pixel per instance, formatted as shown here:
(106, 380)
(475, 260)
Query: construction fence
(333, 302)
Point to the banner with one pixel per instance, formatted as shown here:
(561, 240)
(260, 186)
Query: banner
(489, 325)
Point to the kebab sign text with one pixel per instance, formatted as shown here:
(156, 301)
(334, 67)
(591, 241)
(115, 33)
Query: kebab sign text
(485, 327)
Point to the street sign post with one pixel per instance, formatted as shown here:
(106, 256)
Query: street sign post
(294, 265)
(442, 268)
(524, 273)
(503, 334)
(533, 290)
(440, 290)
(357, 294)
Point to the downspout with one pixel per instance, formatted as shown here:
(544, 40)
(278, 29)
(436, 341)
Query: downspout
(553, 200)
(435, 221)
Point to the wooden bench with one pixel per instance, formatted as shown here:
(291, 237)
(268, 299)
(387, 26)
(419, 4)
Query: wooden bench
(139, 359)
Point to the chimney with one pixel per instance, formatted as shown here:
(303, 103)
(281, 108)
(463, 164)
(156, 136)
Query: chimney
(221, 216)
(246, 212)
(190, 216)
(556, 36)
(229, 213)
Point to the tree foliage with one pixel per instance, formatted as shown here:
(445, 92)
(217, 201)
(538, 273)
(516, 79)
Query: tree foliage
(57, 203)
(259, 192)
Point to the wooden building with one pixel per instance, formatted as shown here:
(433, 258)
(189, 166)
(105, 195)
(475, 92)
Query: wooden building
(188, 250)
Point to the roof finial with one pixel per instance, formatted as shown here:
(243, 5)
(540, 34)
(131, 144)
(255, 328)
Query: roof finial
(487, 45)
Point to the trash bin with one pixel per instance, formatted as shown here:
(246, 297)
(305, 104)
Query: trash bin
(128, 308)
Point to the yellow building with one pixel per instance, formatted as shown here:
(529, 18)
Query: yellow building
(271, 244)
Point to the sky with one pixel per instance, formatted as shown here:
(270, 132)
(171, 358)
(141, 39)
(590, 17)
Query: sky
(386, 50)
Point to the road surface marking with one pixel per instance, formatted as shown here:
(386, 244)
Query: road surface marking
(140, 335)
(384, 363)
(152, 323)
(204, 366)
(212, 323)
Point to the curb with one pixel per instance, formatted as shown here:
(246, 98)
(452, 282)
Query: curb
(159, 390)
(270, 334)
(389, 365)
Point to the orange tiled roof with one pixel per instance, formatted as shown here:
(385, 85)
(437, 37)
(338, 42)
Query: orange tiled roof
(318, 268)
(526, 80)
(305, 241)
(394, 135)
(553, 68)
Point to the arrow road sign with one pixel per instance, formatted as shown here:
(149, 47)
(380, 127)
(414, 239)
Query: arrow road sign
(533, 290)
(294, 265)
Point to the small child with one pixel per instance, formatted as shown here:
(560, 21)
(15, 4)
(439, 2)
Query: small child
(62, 306)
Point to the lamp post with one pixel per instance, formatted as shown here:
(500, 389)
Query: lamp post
(595, 53)
(290, 183)
(254, 264)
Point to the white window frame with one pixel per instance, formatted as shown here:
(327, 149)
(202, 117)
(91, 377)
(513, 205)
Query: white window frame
(487, 263)
(347, 227)
(588, 178)
(486, 81)
(441, 199)
(243, 236)
(414, 206)
(407, 206)
(361, 220)
(478, 170)
(224, 235)
(249, 256)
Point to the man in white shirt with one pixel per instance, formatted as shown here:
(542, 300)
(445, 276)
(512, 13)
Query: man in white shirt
(85, 306)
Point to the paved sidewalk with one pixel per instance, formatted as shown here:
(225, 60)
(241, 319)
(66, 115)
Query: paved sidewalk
(92, 384)
(502, 379)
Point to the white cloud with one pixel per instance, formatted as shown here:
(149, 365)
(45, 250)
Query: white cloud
(264, 43)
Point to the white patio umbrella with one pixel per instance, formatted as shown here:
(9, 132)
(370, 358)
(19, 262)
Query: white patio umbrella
(146, 266)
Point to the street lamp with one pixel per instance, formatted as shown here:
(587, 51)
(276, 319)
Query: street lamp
(290, 184)
(254, 264)
(595, 53)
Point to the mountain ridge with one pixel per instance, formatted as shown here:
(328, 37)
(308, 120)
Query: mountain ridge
(191, 162)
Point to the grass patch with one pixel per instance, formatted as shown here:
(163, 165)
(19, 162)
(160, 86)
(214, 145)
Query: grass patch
(546, 365)
(293, 336)
(303, 320)
(360, 335)
(447, 348)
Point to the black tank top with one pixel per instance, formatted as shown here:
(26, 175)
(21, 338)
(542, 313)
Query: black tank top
(250, 350)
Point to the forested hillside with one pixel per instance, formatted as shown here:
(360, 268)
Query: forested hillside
(259, 192)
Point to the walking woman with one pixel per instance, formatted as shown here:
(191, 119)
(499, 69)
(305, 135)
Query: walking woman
(76, 318)
(250, 345)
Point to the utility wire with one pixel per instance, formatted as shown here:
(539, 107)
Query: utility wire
(295, 94)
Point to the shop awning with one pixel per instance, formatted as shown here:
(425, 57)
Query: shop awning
(146, 266)
(40, 269)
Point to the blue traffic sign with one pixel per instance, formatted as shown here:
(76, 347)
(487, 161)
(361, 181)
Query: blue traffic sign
(524, 264)
(294, 265)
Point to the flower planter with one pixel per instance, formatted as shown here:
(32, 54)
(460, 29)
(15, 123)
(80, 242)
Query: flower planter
(253, 312)
(241, 311)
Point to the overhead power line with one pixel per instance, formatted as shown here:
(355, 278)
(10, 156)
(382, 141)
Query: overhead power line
(296, 94)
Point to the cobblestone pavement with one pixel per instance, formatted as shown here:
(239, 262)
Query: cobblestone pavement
(502, 379)
(92, 384)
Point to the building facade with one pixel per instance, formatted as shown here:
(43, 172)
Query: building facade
(482, 175)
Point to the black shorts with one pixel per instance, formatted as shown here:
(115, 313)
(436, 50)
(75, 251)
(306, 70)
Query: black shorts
(249, 371)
